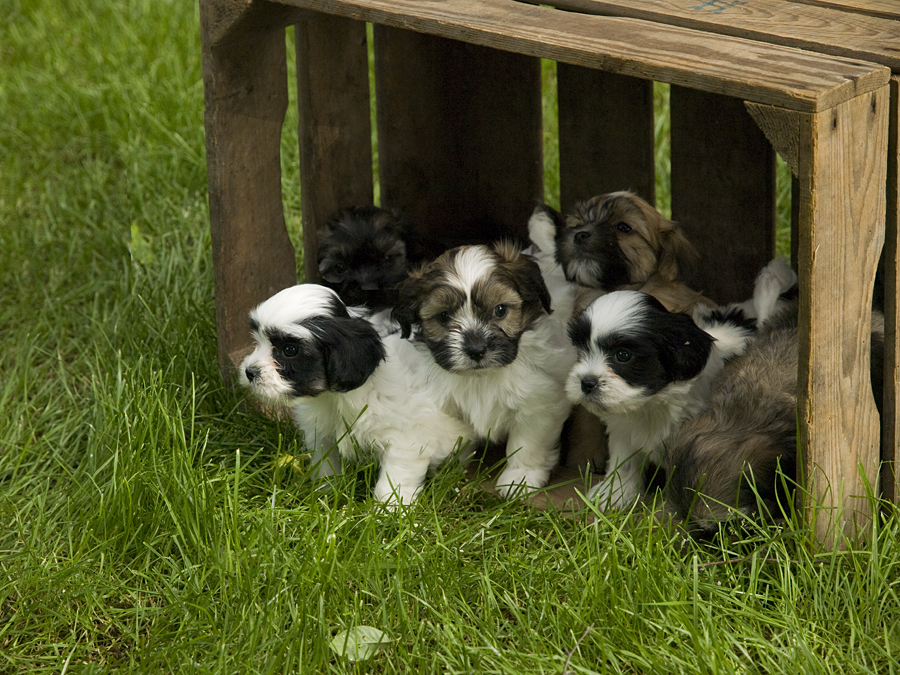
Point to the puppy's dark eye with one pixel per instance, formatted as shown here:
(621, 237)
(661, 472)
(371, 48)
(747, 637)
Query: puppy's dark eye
(624, 228)
(339, 268)
(500, 311)
(443, 318)
(290, 351)
(623, 356)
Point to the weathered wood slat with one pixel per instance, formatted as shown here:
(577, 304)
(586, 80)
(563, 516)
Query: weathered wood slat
(245, 83)
(886, 9)
(890, 446)
(819, 29)
(459, 136)
(723, 191)
(782, 129)
(744, 69)
(226, 20)
(335, 131)
(605, 134)
(842, 199)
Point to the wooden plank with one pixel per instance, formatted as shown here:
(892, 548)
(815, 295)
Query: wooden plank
(245, 83)
(782, 128)
(819, 29)
(606, 138)
(723, 191)
(890, 446)
(886, 9)
(226, 20)
(842, 178)
(744, 69)
(459, 136)
(335, 130)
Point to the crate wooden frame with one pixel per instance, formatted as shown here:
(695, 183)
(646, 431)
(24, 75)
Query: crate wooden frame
(459, 134)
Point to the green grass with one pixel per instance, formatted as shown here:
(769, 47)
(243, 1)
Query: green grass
(151, 522)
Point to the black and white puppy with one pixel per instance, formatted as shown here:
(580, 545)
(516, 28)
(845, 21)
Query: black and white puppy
(723, 463)
(364, 253)
(643, 370)
(349, 388)
(499, 359)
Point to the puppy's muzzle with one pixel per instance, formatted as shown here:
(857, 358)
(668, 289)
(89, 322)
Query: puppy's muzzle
(475, 346)
(589, 383)
(251, 372)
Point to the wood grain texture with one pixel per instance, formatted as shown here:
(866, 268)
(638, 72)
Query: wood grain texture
(782, 128)
(887, 9)
(745, 69)
(228, 20)
(459, 136)
(819, 29)
(890, 446)
(335, 129)
(245, 84)
(723, 191)
(606, 140)
(842, 177)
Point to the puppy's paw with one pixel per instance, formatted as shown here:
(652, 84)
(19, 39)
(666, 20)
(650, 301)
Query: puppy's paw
(516, 482)
(393, 496)
(612, 493)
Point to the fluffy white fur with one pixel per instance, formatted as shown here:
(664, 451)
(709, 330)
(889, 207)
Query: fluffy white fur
(639, 419)
(389, 411)
(512, 392)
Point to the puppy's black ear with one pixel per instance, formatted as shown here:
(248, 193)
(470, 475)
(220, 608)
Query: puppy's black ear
(351, 351)
(686, 347)
(406, 311)
(525, 274)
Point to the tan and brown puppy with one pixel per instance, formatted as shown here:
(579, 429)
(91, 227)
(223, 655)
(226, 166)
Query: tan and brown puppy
(499, 357)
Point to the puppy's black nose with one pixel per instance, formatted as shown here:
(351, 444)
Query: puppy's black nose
(252, 372)
(475, 349)
(588, 384)
(580, 237)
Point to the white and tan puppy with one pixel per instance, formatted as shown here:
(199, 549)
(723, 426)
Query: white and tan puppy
(499, 359)
(349, 388)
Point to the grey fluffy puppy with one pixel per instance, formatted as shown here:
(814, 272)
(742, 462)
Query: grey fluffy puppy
(723, 463)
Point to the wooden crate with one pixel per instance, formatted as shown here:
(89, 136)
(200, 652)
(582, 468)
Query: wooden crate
(458, 98)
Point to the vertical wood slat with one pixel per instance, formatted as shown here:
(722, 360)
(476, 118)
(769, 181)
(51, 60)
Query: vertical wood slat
(842, 202)
(890, 448)
(459, 136)
(606, 134)
(335, 131)
(723, 191)
(245, 84)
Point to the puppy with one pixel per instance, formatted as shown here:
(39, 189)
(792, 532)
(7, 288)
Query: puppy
(722, 463)
(617, 241)
(364, 253)
(498, 358)
(610, 242)
(643, 370)
(349, 388)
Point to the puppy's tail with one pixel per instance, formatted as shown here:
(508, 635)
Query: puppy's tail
(774, 280)
(542, 227)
